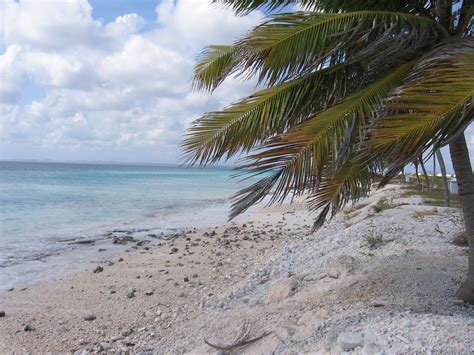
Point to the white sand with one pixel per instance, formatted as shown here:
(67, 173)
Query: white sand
(387, 278)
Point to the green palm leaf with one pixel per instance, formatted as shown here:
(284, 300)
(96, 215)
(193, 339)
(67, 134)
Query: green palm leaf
(350, 182)
(252, 120)
(296, 160)
(434, 102)
(290, 45)
(214, 65)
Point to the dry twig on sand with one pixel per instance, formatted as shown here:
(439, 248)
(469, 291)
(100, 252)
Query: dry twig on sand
(242, 339)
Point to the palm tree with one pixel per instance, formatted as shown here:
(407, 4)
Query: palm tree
(353, 90)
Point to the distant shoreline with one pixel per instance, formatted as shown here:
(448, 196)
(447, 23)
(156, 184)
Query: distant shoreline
(116, 163)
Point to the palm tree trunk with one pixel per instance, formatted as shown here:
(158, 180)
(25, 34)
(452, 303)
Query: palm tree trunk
(434, 172)
(417, 175)
(425, 174)
(442, 167)
(465, 179)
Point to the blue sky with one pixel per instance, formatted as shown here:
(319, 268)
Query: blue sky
(108, 80)
(110, 10)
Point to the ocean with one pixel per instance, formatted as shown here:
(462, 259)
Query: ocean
(46, 208)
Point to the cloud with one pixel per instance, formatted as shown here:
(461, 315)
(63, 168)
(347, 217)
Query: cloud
(49, 24)
(119, 90)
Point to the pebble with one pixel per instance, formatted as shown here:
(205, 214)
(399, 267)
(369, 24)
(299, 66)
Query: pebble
(349, 341)
(98, 269)
(131, 293)
(89, 317)
(149, 293)
(253, 302)
(2, 314)
(28, 328)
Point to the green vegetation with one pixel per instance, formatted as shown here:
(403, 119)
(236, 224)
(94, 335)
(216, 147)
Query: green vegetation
(374, 240)
(383, 205)
(420, 215)
(353, 91)
(432, 197)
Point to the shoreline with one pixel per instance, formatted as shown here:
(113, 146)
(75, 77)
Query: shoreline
(368, 273)
(97, 243)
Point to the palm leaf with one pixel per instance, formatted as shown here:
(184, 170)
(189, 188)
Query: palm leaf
(252, 120)
(429, 108)
(246, 6)
(296, 160)
(243, 7)
(214, 65)
(349, 183)
(290, 44)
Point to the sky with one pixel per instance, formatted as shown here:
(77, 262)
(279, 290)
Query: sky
(103, 80)
(107, 80)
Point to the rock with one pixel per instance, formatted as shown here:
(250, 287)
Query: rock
(123, 240)
(339, 265)
(149, 293)
(89, 317)
(28, 328)
(461, 240)
(174, 250)
(282, 290)
(98, 269)
(186, 279)
(182, 294)
(105, 346)
(195, 276)
(350, 341)
(2, 314)
(131, 293)
(120, 259)
(116, 338)
(84, 242)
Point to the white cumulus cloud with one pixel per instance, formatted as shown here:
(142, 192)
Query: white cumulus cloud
(74, 87)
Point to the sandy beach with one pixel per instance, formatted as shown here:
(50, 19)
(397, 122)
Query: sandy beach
(379, 277)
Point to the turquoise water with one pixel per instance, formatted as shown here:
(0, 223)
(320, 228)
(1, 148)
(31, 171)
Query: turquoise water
(44, 204)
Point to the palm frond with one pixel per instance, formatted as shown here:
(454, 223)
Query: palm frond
(349, 183)
(290, 45)
(245, 6)
(297, 159)
(214, 65)
(431, 106)
(254, 119)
